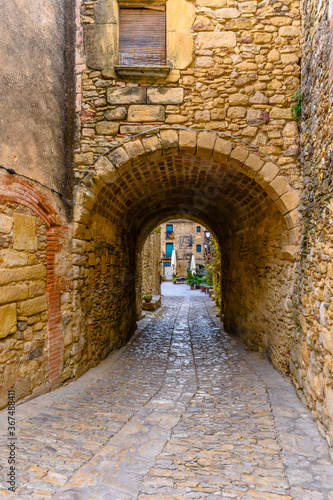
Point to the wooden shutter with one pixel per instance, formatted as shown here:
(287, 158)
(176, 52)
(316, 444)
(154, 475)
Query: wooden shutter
(142, 37)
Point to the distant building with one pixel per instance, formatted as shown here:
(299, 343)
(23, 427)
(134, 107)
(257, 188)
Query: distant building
(186, 238)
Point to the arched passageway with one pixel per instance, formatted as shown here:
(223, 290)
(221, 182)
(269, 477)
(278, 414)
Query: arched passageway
(244, 198)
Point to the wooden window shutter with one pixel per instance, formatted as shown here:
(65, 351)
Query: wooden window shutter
(142, 37)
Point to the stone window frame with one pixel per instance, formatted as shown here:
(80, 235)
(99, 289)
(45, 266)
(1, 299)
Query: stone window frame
(147, 6)
(101, 40)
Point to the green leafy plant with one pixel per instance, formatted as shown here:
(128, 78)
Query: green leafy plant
(147, 296)
(296, 108)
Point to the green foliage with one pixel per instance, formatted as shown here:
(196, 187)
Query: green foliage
(209, 277)
(213, 270)
(194, 280)
(296, 108)
(157, 230)
(147, 296)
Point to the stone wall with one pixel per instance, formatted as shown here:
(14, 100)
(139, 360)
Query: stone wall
(151, 264)
(258, 290)
(238, 79)
(312, 361)
(23, 309)
(104, 307)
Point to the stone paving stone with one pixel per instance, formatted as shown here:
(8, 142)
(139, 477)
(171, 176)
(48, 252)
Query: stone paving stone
(183, 411)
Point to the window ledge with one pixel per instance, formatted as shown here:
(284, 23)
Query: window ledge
(154, 74)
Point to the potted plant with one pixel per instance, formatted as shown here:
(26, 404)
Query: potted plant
(148, 298)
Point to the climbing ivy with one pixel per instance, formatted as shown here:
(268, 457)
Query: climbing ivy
(296, 108)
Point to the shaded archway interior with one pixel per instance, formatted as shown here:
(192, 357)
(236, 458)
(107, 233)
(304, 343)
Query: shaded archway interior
(186, 187)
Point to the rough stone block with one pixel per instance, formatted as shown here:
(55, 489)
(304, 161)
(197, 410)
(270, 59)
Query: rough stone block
(238, 156)
(268, 172)
(222, 150)
(212, 3)
(278, 187)
(126, 95)
(106, 11)
(101, 45)
(6, 224)
(83, 158)
(205, 144)
(280, 114)
(107, 128)
(33, 306)
(108, 173)
(248, 7)
(216, 40)
(246, 66)
(13, 258)
(289, 31)
(254, 162)
(176, 119)
(13, 293)
(187, 141)
(169, 140)
(118, 157)
(22, 274)
(152, 145)
(134, 149)
(146, 113)
(135, 129)
(85, 198)
(258, 98)
(165, 95)
(290, 130)
(238, 99)
(179, 49)
(8, 320)
(290, 200)
(262, 38)
(289, 252)
(236, 112)
(227, 13)
(115, 114)
(180, 15)
(292, 219)
(204, 62)
(25, 237)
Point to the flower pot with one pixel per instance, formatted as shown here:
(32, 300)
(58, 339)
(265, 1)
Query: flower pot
(203, 288)
(192, 287)
(148, 300)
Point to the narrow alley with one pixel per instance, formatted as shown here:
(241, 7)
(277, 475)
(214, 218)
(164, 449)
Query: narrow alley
(182, 411)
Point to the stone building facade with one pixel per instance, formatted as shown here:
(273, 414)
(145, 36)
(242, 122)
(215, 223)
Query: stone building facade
(187, 238)
(215, 142)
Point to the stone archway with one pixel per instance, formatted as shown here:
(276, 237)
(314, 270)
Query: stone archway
(246, 198)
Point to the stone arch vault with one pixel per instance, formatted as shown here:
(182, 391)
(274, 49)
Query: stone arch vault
(228, 186)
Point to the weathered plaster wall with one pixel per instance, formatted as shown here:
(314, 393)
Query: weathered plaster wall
(312, 366)
(36, 80)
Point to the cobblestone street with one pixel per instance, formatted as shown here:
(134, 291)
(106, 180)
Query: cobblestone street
(182, 411)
